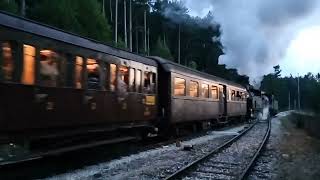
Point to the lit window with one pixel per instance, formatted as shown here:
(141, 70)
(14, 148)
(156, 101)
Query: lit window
(78, 72)
(179, 87)
(214, 92)
(113, 77)
(194, 89)
(8, 63)
(28, 70)
(49, 71)
(138, 80)
(132, 82)
(93, 71)
(205, 90)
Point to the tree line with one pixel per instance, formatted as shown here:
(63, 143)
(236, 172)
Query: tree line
(285, 89)
(167, 30)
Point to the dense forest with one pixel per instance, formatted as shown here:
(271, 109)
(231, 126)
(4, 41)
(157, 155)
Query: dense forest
(156, 28)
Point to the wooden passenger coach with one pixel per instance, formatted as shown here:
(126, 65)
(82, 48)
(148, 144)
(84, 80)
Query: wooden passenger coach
(54, 83)
(193, 96)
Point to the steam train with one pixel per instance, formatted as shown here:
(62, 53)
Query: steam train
(54, 84)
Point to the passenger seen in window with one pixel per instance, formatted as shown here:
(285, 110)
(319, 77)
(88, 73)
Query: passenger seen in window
(48, 68)
(93, 70)
(123, 82)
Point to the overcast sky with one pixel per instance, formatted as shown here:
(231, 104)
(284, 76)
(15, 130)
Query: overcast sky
(259, 34)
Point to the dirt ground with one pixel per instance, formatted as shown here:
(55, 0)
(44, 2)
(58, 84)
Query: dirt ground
(290, 153)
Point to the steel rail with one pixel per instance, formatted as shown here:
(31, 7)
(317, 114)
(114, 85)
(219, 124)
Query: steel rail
(203, 158)
(245, 173)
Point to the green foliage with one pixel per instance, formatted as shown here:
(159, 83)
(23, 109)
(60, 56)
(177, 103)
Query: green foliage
(121, 44)
(9, 5)
(161, 50)
(193, 65)
(82, 17)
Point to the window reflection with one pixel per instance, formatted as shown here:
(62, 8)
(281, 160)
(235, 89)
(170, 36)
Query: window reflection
(179, 87)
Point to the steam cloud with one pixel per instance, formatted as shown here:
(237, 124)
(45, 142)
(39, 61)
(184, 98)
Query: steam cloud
(255, 33)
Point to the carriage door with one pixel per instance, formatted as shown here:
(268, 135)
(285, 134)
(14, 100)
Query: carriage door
(223, 99)
(122, 93)
(93, 97)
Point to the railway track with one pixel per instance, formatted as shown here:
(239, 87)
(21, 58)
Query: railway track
(231, 160)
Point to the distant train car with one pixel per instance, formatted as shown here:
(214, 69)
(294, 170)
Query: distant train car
(187, 95)
(56, 84)
(258, 100)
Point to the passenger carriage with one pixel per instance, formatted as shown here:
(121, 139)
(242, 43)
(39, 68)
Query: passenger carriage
(56, 84)
(190, 96)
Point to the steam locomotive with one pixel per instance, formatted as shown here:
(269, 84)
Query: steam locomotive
(58, 85)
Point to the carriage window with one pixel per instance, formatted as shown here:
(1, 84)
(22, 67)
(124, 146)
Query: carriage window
(194, 89)
(214, 92)
(149, 82)
(123, 80)
(78, 72)
(8, 62)
(132, 82)
(28, 71)
(49, 71)
(205, 90)
(138, 80)
(93, 70)
(179, 87)
(232, 95)
(113, 77)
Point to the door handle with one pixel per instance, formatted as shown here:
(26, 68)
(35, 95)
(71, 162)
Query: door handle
(87, 99)
(40, 97)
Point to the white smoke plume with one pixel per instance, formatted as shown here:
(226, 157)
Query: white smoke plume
(255, 33)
